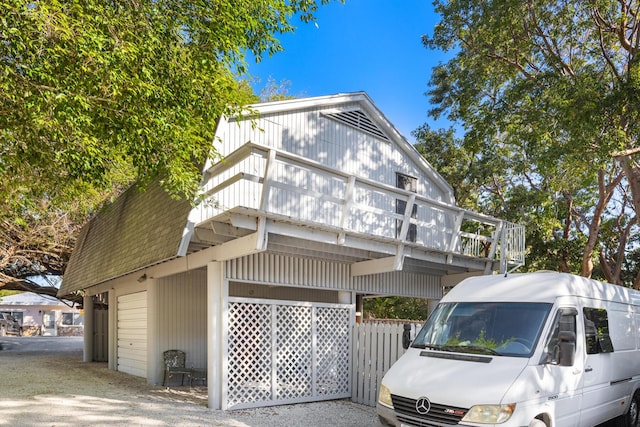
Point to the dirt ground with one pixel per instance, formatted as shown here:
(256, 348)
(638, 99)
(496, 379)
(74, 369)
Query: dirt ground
(43, 382)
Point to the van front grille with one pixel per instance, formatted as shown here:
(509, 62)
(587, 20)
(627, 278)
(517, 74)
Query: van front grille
(438, 415)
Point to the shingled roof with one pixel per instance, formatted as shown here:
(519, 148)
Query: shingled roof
(139, 229)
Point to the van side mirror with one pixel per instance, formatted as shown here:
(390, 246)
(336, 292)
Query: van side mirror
(567, 348)
(406, 336)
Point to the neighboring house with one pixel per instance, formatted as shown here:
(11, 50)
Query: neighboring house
(316, 204)
(43, 314)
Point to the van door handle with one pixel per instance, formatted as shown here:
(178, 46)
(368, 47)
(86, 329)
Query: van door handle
(588, 369)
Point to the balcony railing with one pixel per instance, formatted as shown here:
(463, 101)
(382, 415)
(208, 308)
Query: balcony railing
(292, 188)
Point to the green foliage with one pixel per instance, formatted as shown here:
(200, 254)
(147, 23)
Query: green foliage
(480, 341)
(275, 91)
(545, 92)
(95, 95)
(4, 293)
(90, 90)
(396, 308)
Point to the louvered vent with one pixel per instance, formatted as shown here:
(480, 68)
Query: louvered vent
(358, 120)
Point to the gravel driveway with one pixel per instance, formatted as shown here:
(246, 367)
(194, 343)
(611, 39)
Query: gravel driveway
(45, 383)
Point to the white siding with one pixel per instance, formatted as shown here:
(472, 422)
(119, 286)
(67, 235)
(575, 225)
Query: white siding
(182, 298)
(313, 194)
(261, 291)
(311, 135)
(132, 334)
(182, 316)
(312, 273)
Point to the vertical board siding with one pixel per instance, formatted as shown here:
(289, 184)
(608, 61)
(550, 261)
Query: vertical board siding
(260, 291)
(400, 284)
(322, 202)
(310, 134)
(285, 270)
(289, 271)
(376, 347)
(309, 193)
(182, 315)
(314, 195)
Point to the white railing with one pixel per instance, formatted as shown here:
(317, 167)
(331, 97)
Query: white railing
(297, 189)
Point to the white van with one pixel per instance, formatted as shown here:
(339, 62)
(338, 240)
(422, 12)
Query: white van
(535, 349)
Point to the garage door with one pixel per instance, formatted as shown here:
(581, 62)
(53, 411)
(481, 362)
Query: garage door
(132, 334)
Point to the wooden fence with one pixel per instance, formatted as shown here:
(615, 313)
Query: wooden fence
(376, 346)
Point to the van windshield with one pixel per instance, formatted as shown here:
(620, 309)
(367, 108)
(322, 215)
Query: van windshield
(496, 328)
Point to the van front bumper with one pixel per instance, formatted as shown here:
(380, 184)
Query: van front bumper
(387, 415)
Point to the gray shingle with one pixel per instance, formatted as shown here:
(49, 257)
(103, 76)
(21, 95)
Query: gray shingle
(139, 229)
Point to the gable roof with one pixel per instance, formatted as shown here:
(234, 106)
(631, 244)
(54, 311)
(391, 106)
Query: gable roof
(368, 118)
(30, 298)
(139, 229)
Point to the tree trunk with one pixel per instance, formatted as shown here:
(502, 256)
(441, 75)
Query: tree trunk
(604, 195)
(632, 171)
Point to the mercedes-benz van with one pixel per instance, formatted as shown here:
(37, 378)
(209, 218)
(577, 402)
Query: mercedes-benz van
(534, 349)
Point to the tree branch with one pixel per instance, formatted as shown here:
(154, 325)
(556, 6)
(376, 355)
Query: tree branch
(549, 48)
(599, 21)
(25, 285)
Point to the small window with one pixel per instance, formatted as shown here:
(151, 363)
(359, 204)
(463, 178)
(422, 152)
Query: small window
(596, 327)
(565, 321)
(406, 182)
(72, 319)
(18, 316)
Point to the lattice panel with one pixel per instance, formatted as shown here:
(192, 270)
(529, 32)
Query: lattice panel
(294, 352)
(250, 353)
(273, 355)
(333, 354)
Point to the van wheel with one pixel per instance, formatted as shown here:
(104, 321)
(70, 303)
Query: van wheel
(537, 423)
(630, 418)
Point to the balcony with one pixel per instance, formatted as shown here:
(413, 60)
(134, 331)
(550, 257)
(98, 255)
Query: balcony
(260, 198)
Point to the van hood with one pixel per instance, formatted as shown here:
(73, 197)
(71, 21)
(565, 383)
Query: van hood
(455, 379)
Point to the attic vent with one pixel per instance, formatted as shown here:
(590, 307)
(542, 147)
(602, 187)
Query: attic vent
(358, 120)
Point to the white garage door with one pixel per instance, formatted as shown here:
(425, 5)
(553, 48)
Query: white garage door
(132, 334)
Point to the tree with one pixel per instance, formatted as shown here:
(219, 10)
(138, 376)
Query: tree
(275, 91)
(399, 308)
(547, 97)
(95, 95)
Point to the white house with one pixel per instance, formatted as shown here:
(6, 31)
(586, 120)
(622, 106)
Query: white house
(315, 204)
(43, 314)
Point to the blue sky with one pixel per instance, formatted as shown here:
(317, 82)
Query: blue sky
(362, 45)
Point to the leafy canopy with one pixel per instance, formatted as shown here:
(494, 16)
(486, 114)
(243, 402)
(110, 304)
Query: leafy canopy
(545, 92)
(95, 94)
(93, 91)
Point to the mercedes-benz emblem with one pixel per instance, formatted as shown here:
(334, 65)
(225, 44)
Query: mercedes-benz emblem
(423, 405)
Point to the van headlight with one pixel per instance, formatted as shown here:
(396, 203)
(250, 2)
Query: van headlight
(384, 396)
(489, 414)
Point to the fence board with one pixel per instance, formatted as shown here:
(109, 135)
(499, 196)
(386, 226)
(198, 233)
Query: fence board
(376, 347)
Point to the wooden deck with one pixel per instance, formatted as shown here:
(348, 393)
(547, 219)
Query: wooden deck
(257, 192)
